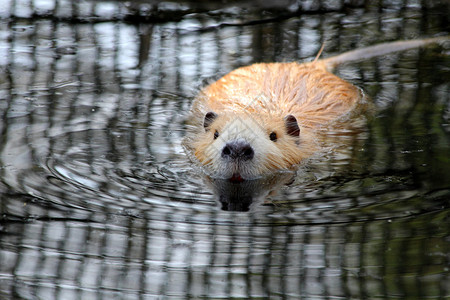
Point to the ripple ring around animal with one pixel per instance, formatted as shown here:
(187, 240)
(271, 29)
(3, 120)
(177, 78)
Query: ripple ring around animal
(261, 118)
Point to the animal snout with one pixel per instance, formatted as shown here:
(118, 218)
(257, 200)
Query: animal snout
(238, 149)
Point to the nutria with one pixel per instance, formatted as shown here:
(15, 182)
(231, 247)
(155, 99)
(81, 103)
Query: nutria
(263, 117)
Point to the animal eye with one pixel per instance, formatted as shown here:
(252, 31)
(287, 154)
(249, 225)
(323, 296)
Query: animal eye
(216, 134)
(273, 136)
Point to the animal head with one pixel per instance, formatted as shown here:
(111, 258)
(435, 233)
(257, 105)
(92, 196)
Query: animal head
(245, 145)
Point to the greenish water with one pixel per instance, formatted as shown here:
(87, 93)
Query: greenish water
(98, 199)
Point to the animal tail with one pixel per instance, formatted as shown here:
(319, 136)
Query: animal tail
(378, 50)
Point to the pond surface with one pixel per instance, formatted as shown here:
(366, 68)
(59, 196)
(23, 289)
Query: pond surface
(98, 199)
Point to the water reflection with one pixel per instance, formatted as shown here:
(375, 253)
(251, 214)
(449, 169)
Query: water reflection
(249, 193)
(98, 199)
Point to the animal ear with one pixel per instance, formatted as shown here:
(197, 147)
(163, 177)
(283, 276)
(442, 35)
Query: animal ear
(291, 125)
(209, 118)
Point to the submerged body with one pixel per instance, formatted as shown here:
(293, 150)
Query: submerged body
(263, 117)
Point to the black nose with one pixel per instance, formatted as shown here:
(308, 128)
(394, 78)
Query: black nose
(238, 150)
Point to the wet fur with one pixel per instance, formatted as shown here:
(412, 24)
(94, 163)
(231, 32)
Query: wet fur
(251, 102)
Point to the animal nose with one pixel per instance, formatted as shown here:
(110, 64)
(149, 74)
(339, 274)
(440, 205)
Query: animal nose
(238, 149)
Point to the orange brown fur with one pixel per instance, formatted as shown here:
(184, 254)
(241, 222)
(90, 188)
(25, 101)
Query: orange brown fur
(306, 90)
(252, 103)
(260, 96)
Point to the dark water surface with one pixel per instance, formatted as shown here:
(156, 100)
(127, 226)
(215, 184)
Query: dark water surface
(99, 201)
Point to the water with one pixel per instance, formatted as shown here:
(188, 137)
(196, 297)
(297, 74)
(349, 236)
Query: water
(98, 199)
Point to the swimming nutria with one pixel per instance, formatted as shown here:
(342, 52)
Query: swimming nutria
(262, 117)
